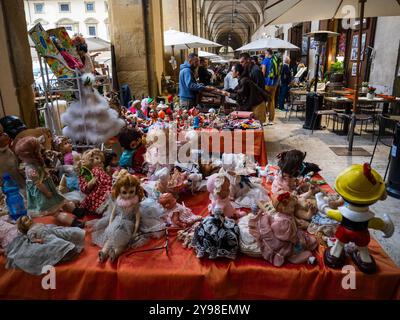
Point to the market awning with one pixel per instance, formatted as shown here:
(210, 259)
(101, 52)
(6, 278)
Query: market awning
(268, 43)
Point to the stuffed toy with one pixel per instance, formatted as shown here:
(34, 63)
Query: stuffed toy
(134, 147)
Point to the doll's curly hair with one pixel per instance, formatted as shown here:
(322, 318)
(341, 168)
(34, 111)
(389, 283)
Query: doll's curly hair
(28, 150)
(125, 179)
(127, 135)
(87, 157)
(24, 224)
(290, 162)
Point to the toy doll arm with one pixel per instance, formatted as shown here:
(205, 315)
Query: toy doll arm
(334, 214)
(137, 223)
(43, 189)
(385, 225)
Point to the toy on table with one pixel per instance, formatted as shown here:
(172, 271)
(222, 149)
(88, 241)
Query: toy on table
(178, 181)
(8, 232)
(360, 186)
(216, 236)
(41, 245)
(132, 157)
(277, 234)
(124, 221)
(9, 161)
(218, 185)
(111, 162)
(175, 214)
(43, 197)
(136, 110)
(94, 182)
(63, 145)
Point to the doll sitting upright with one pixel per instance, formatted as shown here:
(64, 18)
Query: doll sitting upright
(132, 157)
(94, 182)
(42, 195)
(278, 236)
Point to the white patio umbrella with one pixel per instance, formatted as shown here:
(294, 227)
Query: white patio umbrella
(268, 43)
(290, 11)
(205, 54)
(181, 41)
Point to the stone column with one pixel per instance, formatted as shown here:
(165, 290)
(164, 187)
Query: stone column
(137, 36)
(15, 64)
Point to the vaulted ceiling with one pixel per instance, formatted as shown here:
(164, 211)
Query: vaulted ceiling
(232, 22)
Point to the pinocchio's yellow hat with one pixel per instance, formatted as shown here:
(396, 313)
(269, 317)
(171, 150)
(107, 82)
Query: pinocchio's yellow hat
(360, 184)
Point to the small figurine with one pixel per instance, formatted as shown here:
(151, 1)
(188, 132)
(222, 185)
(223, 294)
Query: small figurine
(42, 195)
(277, 234)
(177, 215)
(134, 150)
(217, 236)
(42, 245)
(218, 185)
(123, 223)
(360, 186)
(94, 182)
(178, 181)
(63, 145)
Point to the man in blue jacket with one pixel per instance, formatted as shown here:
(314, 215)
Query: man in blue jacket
(188, 87)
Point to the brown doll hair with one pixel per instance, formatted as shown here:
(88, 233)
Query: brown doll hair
(59, 141)
(28, 150)
(24, 223)
(290, 162)
(127, 180)
(88, 155)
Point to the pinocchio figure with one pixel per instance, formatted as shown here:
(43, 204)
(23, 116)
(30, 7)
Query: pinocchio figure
(360, 186)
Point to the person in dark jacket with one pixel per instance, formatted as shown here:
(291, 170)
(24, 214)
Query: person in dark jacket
(286, 79)
(248, 95)
(204, 75)
(253, 71)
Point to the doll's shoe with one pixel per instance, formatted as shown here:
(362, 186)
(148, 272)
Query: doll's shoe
(102, 257)
(366, 267)
(332, 261)
(112, 255)
(78, 224)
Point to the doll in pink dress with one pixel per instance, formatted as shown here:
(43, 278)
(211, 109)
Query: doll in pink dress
(278, 236)
(63, 145)
(175, 214)
(94, 182)
(218, 186)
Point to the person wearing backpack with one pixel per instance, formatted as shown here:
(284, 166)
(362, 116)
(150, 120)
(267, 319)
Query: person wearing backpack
(270, 70)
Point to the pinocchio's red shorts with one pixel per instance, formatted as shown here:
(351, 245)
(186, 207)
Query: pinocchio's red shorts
(360, 238)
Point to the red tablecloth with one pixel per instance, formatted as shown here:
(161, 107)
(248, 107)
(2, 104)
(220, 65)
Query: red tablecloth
(180, 275)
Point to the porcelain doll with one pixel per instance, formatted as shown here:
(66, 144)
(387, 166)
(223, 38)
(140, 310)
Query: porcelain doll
(63, 145)
(94, 182)
(277, 234)
(216, 236)
(41, 245)
(9, 162)
(360, 186)
(175, 214)
(43, 198)
(124, 220)
(134, 147)
(178, 181)
(218, 186)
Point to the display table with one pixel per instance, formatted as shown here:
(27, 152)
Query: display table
(249, 142)
(180, 275)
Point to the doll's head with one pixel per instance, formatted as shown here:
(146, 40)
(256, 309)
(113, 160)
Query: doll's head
(110, 159)
(127, 186)
(167, 200)
(24, 223)
(28, 150)
(92, 158)
(290, 162)
(130, 138)
(284, 202)
(218, 185)
(62, 144)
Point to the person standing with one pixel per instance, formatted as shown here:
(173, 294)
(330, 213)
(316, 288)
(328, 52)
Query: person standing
(188, 87)
(253, 70)
(248, 95)
(230, 83)
(270, 70)
(203, 73)
(286, 79)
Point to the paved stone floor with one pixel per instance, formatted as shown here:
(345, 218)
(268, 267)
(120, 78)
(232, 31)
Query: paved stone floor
(286, 135)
